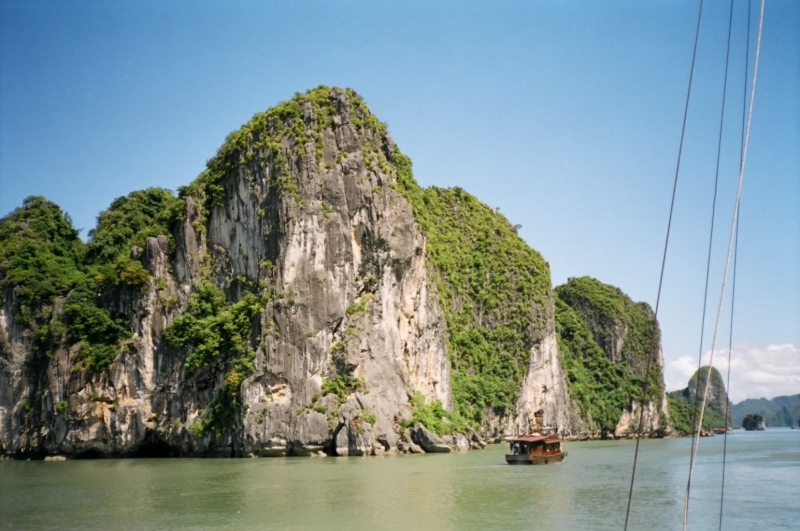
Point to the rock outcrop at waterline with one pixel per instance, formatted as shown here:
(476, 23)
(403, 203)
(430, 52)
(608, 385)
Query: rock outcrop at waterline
(303, 295)
(754, 422)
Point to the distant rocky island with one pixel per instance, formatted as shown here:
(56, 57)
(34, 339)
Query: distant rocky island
(754, 423)
(684, 404)
(304, 295)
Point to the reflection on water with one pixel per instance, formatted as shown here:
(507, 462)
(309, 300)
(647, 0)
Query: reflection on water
(469, 491)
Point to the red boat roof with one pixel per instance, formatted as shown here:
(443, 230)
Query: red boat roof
(535, 437)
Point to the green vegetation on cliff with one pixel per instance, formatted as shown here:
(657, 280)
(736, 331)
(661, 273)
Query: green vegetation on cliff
(125, 225)
(594, 320)
(435, 417)
(612, 318)
(602, 389)
(40, 254)
(494, 289)
(280, 136)
(684, 414)
(129, 221)
(95, 329)
(214, 330)
(219, 337)
(42, 259)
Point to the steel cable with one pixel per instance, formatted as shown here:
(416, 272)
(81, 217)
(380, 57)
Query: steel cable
(664, 261)
(734, 224)
(733, 280)
(696, 427)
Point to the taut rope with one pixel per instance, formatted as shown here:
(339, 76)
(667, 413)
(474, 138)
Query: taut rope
(733, 283)
(664, 262)
(734, 224)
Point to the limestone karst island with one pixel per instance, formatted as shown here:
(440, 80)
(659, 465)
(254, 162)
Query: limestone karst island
(304, 296)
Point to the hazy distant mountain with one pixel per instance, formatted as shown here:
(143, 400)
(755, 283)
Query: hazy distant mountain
(780, 411)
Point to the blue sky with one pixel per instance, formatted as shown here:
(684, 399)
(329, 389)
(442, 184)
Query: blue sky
(565, 115)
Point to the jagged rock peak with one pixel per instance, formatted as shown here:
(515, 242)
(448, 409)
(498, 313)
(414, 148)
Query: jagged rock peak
(717, 397)
(296, 137)
(685, 403)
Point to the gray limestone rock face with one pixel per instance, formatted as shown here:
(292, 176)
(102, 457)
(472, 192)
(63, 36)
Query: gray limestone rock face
(110, 414)
(460, 443)
(341, 253)
(349, 261)
(544, 391)
(429, 441)
(651, 424)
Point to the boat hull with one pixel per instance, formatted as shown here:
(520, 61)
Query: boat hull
(535, 459)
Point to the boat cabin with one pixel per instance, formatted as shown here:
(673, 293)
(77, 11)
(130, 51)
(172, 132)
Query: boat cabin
(535, 449)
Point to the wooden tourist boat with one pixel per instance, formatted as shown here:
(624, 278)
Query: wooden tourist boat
(536, 449)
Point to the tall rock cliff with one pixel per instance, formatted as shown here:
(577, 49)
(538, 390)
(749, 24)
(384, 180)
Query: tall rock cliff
(303, 295)
(608, 344)
(298, 297)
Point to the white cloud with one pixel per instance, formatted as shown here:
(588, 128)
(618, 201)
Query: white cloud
(756, 371)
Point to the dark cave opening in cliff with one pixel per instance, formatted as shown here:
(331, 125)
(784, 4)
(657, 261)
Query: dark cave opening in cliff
(155, 448)
(91, 453)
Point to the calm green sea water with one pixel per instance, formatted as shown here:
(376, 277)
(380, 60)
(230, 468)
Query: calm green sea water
(454, 491)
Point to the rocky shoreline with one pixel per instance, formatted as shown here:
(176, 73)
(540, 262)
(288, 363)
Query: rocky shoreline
(416, 440)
